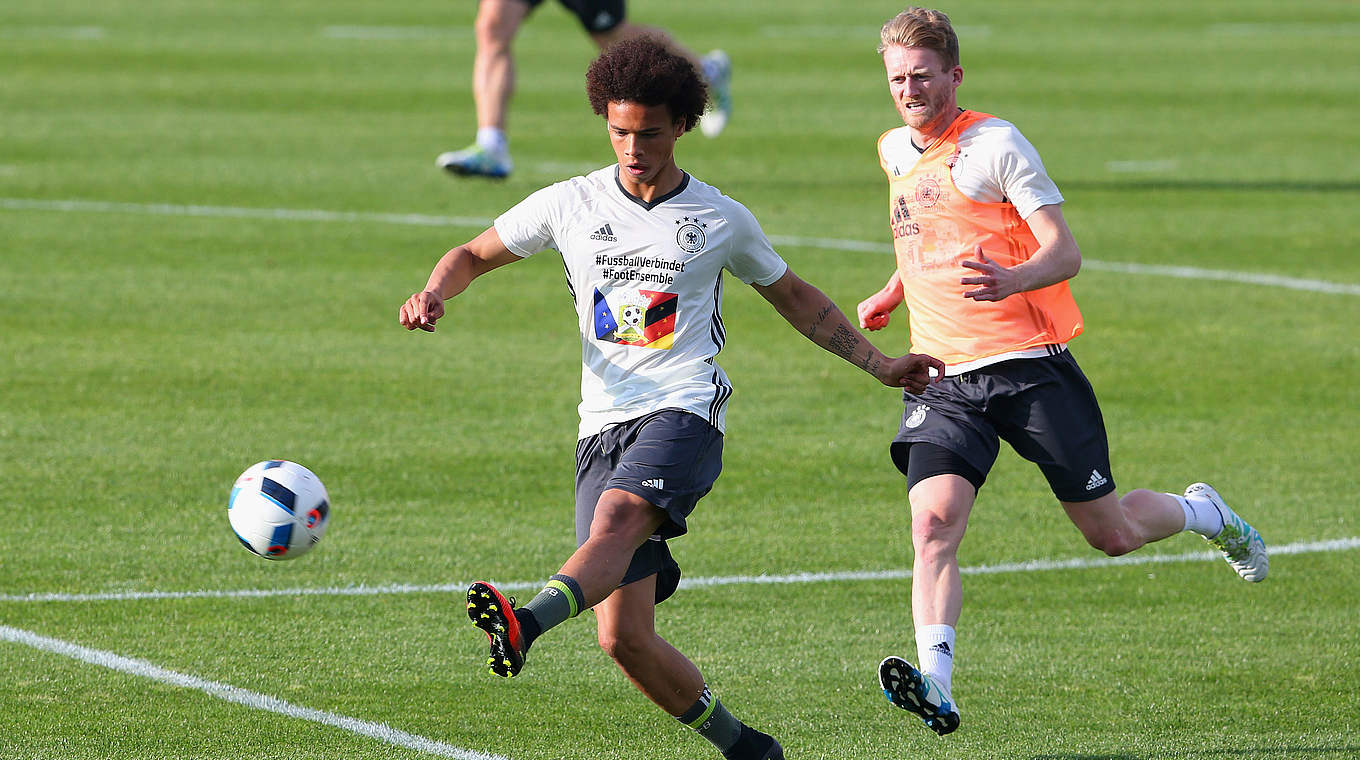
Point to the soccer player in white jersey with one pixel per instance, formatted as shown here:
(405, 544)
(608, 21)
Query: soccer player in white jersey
(644, 245)
(983, 259)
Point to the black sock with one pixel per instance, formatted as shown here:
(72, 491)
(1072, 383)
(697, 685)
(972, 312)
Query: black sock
(529, 629)
(751, 745)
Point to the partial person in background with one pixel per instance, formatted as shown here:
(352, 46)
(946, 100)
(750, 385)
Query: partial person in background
(493, 75)
(983, 259)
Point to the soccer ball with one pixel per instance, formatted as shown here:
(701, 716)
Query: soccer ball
(278, 509)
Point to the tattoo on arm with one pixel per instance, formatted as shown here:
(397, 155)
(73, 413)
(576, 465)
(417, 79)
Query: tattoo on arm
(843, 343)
(821, 317)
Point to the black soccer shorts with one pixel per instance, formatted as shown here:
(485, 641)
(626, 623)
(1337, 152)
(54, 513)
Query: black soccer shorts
(595, 15)
(670, 458)
(1043, 407)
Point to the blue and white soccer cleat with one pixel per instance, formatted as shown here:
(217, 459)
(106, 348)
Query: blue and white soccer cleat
(1241, 544)
(718, 71)
(475, 161)
(917, 693)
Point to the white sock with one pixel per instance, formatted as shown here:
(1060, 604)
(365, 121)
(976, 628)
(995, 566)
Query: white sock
(1201, 516)
(935, 650)
(492, 139)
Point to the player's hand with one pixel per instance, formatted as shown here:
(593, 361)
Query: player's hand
(996, 282)
(421, 310)
(875, 311)
(913, 372)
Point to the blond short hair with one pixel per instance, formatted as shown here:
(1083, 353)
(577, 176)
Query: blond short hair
(922, 28)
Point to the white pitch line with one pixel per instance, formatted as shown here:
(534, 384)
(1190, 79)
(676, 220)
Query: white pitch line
(830, 244)
(1028, 566)
(387, 33)
(238, 212)
(1223, 275)
(380, 731)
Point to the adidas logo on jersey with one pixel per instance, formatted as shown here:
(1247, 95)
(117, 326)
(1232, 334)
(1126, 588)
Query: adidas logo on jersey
(1097, 480)
(605, 233)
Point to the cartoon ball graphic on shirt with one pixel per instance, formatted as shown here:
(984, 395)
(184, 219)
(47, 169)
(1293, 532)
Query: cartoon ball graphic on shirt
(631, 314)
(630, 321)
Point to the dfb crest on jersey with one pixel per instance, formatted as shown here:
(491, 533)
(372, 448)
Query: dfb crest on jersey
(927, 192)
(690, 237)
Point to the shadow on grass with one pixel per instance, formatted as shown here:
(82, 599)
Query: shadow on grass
(1251, 753)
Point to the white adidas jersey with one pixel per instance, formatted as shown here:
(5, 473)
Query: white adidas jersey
(647, 281)
(996, 163)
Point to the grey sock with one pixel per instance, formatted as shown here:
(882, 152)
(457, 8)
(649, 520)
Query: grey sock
(712, 721)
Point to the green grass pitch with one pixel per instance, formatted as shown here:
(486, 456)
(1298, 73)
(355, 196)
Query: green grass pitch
(210, 212)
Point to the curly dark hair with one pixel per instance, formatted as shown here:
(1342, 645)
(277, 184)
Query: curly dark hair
(643, 70)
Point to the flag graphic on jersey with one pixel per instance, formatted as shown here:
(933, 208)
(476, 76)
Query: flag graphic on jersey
(636, 318)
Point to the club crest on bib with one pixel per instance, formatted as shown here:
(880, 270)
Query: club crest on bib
(690, 237)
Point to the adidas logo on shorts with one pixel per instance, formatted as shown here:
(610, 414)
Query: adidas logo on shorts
(654, 483)
(1097, 480)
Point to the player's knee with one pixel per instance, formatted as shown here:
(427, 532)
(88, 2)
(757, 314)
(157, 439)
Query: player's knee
(623, 646)
(935, 533)
(493, 30)
(1114, 543)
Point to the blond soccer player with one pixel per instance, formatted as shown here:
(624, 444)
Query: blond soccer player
(983, 259)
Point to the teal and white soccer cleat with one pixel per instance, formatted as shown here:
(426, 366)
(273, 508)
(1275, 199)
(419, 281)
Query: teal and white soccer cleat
(718, 71)
(1241, 544)
(917, 693)
(475, 161)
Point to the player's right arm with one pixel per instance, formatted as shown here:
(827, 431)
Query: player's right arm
(875, 310)
(451, 276)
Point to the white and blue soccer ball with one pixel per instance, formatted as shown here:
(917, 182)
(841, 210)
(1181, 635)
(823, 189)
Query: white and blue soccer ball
(278, 509)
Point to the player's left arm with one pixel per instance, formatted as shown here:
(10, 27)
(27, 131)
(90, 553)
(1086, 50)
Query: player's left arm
(1057, 259)
(813, 314)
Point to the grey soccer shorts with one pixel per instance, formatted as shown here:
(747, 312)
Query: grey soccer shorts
(670, 458)
(1043, 407)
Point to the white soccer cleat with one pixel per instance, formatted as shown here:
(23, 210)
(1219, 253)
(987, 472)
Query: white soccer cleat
(1241, 544)
(917, 693)
(718, 72)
